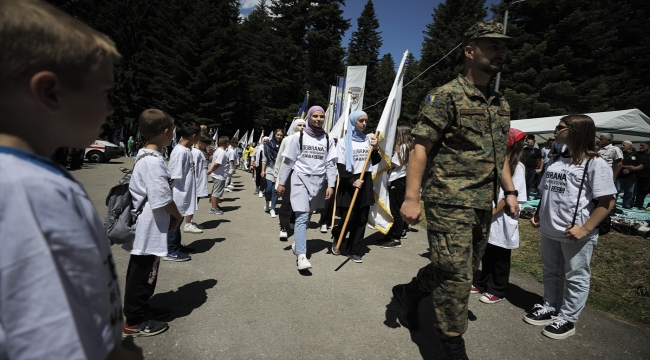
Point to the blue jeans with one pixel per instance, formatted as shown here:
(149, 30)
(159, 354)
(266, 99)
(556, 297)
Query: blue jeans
(300, 231)
(566, 263)
(271, 194)
(174, 239)
(627, 186)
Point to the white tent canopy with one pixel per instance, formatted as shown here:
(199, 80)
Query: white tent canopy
(632, 124)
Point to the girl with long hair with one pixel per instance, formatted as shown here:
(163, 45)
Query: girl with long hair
(504, 230)
(397, 184)
(268, 175)
(352, 153)
(578, 194)
(310, 161)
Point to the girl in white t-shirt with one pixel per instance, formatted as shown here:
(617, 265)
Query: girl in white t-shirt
(310, 162)
(397, 184)
(504, 230)
(568, 219)
(352, 153)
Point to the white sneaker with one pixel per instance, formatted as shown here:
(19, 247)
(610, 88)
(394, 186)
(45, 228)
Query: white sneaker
(197, 225)
(272, 212)
(231, 186)
(293, 248)
(261, 194)
(190, 228)
(323, 228)
(227, 190)
(303, 263)
(283, 235)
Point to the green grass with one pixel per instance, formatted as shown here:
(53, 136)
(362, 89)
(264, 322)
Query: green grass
(620, 272)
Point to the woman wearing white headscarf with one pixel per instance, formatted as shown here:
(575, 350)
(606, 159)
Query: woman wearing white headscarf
(352, 153)
(286, 212)
(310, 160)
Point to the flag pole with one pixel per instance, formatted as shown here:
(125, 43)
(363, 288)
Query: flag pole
(338, 178)
(354, 197)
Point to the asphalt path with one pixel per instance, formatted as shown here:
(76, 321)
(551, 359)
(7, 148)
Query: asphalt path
(241, 297)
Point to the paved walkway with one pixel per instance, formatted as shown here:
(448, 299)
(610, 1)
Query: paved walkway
(241, 297)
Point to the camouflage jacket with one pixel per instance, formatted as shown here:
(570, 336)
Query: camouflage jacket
(469, 134)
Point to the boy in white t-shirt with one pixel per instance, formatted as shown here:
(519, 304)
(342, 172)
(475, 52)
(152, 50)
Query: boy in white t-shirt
(60, 297)
(199, 155)
(232, 165)
(218, 171)
(150, 183)
(182, 170)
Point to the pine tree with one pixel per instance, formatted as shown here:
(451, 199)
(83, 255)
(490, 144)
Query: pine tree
(451, 19)
(363, 49)
(384, 79)
(411, 99)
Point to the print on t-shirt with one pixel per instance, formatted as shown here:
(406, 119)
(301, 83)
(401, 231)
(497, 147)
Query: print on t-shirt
(316, 152)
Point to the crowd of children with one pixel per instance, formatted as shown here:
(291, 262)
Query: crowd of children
(64, 256)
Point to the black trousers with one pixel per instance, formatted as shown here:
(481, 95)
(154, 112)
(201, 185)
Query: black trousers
(141, 277)
(642, 190)
(495, 271)
(356, 228)
(396, 194)
(285, 212)
(326, 213)
(258, 178)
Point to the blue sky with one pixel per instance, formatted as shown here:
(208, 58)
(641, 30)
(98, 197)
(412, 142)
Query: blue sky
(401, 22)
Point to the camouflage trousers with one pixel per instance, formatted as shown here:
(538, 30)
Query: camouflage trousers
(457, 238)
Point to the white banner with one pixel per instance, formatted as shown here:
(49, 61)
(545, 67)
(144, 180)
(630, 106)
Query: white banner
(355, 80)
(380, 216)
(250, 137)
(329, 113)
(338, 131)
(243, 139)
(236, 135)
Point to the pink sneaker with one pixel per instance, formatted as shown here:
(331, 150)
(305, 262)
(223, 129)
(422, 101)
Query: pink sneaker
(475, 290)
(489, 298)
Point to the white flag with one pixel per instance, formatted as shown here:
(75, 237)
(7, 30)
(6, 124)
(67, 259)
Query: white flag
(338, 131)
(236, 134)
(329, 113)
(250, 138)
(243, 139)
(380, 216)
(261, 137)
(216, 135)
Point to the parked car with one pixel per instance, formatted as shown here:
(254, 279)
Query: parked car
(102, 151)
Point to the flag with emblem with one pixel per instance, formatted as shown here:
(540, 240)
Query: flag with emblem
(380, 215)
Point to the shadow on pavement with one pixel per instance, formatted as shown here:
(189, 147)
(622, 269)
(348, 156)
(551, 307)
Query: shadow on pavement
(212, 224)
(316, 245)
(228, 199)
(424, 337)
(521, 298)
(184, 300)
(204, 245)
(229, 208)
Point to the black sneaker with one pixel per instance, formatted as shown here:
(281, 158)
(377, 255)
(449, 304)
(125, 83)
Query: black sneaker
(559, 329)
(454, 348)
(334, 250)
(403, 235)
(540, 315)
(356, 258)
(391, 244)
(147, 328)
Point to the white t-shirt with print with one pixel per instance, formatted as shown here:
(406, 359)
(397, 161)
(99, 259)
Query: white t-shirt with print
(400, 169)
(560, 185)
(313, 158)
(360, 151)
(504, 231)
(151, 180)
(201, 169)
(59, 292)
(219, 157)
(181, 168)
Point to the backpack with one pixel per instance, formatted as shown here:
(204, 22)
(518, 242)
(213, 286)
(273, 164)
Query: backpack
(119, 222)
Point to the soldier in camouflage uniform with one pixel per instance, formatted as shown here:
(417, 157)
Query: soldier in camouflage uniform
(461, 136)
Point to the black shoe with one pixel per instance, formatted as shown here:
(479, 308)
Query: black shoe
(540, 315)
(356, 258)
(408, 297)
(156, 313)
(187, 250)
(146, 328)
(454, 349)
(391, 244)
(334, 250)
(403, 235)
(559, 329)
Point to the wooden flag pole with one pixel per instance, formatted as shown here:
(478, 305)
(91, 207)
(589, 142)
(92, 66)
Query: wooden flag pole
(335, 192)
(354, 197)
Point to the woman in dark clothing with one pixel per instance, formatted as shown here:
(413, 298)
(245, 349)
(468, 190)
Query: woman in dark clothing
(352, 153)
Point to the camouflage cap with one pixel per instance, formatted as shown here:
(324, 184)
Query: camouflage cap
(487, 29)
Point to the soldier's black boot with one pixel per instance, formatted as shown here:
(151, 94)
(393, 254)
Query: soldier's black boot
(454, 348)
(408, 296)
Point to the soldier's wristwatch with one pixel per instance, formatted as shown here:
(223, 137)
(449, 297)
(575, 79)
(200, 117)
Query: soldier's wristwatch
(512, 192)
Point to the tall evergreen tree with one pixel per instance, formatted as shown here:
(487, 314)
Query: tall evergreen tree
(451, 19)
(363, 49)
(411, 99)
(576, 56)
(384, 78)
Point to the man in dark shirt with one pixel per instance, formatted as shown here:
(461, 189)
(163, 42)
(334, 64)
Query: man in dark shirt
(626, 179)
(643, 175)
(533, 160)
